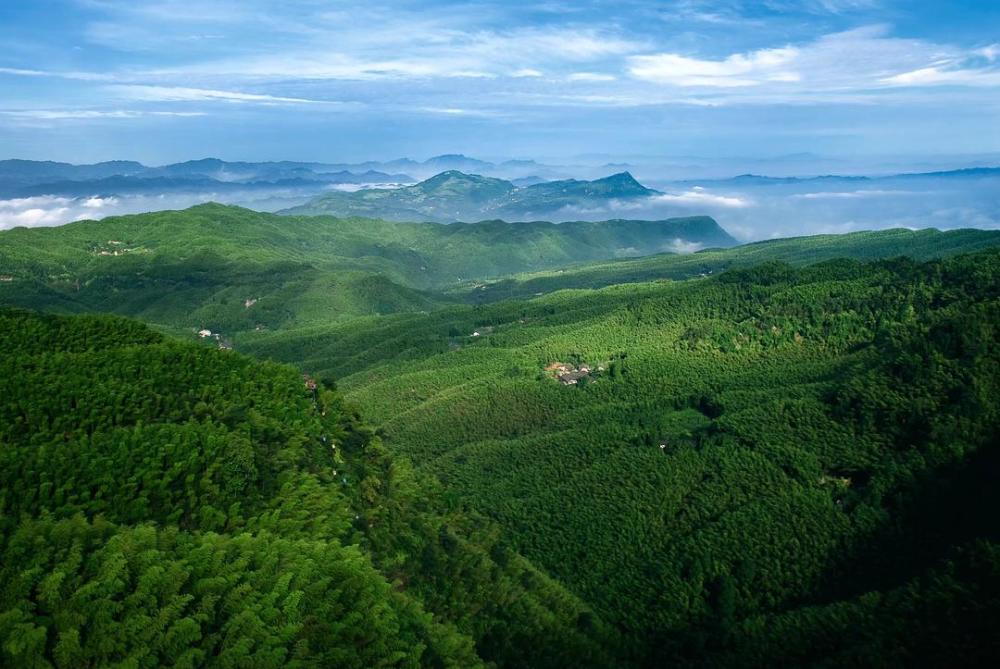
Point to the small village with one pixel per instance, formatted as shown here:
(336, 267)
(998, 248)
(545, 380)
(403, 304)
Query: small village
(115, 248)
(570, 375)
(224, 344)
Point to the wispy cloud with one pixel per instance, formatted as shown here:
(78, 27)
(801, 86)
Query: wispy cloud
(184, 94)
(850, 195)
(47, 210)
(450, 54)
(80, 76)
(700, 196)
(944, 75)
(461, 111)
(839, 64)
(563, 71)
(86, 114)
(749, 69)
(591, 76)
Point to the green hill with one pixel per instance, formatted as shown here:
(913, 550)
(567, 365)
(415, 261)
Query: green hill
(455, 196)
(758, 463)
(777, 454)
(164, 504)
(924, 244)
(234, 270)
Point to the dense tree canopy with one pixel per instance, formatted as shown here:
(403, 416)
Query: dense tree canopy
(171, 504)
(778, 454)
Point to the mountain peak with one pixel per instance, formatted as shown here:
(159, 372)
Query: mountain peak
(448, 156)
(621, 183)
(621, 177)
(449, 175)
(455, 160)
(453, 183)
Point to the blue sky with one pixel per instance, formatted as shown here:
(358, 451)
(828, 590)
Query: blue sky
(167, 80)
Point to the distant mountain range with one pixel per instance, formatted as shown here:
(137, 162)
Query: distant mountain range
(457, 196)
(26, 178)
(458, 187)
(759, 180)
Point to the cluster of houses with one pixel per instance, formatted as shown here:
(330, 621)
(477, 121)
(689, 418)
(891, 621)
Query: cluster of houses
(115, 249)
(6, 278)
(224, 344)
(566, 374)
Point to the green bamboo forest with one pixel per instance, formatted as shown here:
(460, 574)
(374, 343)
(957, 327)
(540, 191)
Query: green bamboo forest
(238, 439)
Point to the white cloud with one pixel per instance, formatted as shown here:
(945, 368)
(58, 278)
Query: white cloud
(81, 76)
(932, 76)
(990, 53)
(86, 114)
(683, 246)
(749, 69)
(185, 94)
(841, 65)
(848, 195)
(97, 202)
(33, 211)
(699, 196)
(451, 111)
(590, 76)
(445, 52)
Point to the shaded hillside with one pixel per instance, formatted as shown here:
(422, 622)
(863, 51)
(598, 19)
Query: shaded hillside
(455, 196)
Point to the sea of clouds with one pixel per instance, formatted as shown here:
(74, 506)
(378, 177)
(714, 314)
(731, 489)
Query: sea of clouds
(756, 212)
(748, 212)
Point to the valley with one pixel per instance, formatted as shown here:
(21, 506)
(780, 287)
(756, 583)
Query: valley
(674, 456)
(413, 334)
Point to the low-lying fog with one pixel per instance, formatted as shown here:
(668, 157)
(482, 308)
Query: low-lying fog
(749, 208)
(752, 211)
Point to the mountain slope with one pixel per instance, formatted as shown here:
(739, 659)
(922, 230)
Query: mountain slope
(455, 196)
(757, 464)
(231, 270)
(924, 244)
(769, 465)
(167, 504)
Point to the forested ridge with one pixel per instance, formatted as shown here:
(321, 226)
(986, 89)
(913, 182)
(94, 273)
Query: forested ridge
(234, 270)
(166, 504)
(768, 463)
(773, 455)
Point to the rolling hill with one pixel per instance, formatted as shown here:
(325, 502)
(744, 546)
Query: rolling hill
(167, 504)
(752, 466)
(456, 196)
(774, 454)
(234, 270)
(923, 244)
